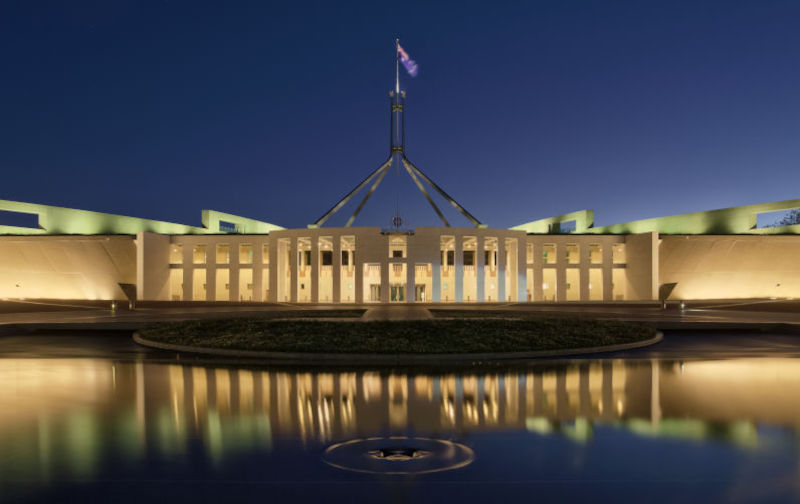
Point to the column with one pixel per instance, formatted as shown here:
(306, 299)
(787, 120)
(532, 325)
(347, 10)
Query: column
(336, 278)
(583, 266)
(385, 276)
(211, 276)
(458, 261)
(480, 260)
(273, 269)
(315, 269)
(608, 272)
(258, 268)
(294, 268)
(522, 269)
(358, 269)
(538, 273)
(561, 272)
(437, 279)
(234, 276)
(188, 270)
(501, 268)
(411, 270)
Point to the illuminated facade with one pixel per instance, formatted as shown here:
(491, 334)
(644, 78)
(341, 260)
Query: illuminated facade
(73, 254)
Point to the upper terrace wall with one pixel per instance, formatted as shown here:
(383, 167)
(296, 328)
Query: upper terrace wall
(731, 266)
(66, 267)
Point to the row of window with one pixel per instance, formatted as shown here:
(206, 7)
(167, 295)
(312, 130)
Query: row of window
(572, 253)
(222, 256)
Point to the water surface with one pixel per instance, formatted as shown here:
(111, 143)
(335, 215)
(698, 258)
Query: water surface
(125, 426)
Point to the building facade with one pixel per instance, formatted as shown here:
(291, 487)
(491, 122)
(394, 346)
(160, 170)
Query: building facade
(73, 254)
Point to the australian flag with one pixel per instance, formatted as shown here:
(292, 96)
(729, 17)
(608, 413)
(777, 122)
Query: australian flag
(407, 62)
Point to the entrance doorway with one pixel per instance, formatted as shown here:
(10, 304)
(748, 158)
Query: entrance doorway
(397, 293)
(375, 293)
(419, 293)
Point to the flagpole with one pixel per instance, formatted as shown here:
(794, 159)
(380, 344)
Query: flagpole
(397, 66)
(397, 92)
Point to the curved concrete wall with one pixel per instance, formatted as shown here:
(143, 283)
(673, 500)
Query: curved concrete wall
(66, 267)
(726, 267)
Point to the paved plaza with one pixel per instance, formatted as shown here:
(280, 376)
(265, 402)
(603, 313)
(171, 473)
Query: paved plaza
(744, 314)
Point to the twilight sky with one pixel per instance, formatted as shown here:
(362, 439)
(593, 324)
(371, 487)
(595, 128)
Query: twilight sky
(521, 110)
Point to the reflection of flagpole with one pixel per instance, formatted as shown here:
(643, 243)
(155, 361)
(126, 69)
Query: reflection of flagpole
(397, 66)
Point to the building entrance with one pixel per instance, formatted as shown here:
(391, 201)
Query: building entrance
(419, 293)
(397, 293)
(375, 293)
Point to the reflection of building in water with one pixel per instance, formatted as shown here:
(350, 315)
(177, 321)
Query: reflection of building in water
(76, 411)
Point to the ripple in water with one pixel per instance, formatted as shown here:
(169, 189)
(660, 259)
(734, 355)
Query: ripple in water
(398, 455)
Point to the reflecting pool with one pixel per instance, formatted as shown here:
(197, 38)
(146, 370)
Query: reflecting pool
(648, 430)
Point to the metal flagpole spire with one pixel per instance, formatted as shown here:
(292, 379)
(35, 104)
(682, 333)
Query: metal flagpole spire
(397, 66)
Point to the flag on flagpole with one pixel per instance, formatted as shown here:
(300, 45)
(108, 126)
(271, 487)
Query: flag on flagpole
(408, 63)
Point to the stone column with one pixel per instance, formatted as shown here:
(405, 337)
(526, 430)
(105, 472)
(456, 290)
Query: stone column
(386, 275)
(480, 273)
(258, 267)
(501, 268)
(211, 279)
(234, 276)
(458, 261)
(583, 266)
(294, 268)
(608, 271)
(358, 271)
(188, 270)
(436, 271)
(522, 270)
(561, 271)
(336, 277)
(273, 270)
(315, 269)
(411, 272)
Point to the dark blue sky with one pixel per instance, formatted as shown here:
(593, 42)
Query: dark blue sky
(521, 110)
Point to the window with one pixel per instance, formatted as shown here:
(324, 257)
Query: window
(223, 285)
(619, 253)
(245, 253)
(398, 247)
(596, 253)
(549, 284)
(469, 258)
(549, 253)
(573, 285)
(245, 284)
(595, 284)
(265, 254)
(176, 284)
(199, 284)
(327, 257)
(228, 227)
(451, 257)
(573, 255)
(529, 253)
(199, 254)
(176, 253)
(223, 253)
(304, 257)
